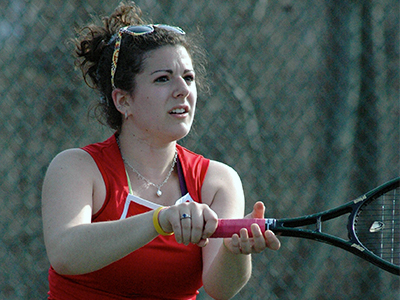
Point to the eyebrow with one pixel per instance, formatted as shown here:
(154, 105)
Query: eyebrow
(170, 71)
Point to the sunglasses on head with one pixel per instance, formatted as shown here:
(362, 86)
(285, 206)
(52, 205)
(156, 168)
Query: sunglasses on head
(136, 30)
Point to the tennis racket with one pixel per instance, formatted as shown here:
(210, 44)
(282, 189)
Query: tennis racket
(373, 226)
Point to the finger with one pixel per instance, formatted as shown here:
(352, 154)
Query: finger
(175, 222)
(203, 242)
(271, 240)
(210, 223)
(234, 244)
(245, 242)
(186, 226)
(258, 210)
(197, 228)
(259, 243)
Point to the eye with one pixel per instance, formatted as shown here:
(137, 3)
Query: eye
(189, 78)
(161, 79)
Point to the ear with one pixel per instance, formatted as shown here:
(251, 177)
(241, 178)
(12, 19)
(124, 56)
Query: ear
(120, 99)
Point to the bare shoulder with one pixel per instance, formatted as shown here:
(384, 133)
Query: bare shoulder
(72, 181)
(71, 168)
(223, 191)
(72, 158)
(221, 174)
(72, 162)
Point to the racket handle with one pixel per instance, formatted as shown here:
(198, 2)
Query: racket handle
(227, 227)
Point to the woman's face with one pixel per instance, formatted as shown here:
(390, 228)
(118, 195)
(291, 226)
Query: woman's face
(163, 104)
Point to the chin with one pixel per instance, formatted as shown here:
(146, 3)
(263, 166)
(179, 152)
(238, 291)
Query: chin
(180, 134)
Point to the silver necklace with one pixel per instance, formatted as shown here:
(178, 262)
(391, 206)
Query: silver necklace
(140, 176)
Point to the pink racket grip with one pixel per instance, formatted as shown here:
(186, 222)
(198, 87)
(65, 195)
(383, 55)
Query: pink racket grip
(227, 227)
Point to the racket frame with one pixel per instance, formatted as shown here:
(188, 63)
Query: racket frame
(288, 227)
(291, 226)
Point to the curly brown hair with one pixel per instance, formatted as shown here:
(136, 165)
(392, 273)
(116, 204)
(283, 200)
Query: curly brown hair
(95, 46)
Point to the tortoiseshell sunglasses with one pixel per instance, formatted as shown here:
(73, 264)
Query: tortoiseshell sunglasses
(136, 30)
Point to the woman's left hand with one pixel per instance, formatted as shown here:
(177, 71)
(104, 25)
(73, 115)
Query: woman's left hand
(243, 244)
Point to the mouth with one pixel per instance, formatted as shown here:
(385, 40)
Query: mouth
(179, 111)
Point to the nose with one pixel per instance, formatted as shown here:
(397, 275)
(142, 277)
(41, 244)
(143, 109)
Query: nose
(181, 89)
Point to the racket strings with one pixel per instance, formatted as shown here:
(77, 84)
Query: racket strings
(377, 226)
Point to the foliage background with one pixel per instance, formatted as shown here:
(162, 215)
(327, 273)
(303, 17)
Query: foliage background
(304, 104)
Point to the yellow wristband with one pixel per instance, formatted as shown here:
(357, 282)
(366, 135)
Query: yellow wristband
(156, 223)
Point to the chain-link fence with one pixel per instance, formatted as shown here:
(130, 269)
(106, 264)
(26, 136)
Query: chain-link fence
(304, 105)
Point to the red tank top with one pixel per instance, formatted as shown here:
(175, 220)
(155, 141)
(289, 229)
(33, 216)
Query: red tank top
(162, 269)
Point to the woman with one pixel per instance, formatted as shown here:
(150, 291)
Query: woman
(113, 226)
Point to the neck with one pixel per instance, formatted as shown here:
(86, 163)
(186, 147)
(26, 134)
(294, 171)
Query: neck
(153, 161)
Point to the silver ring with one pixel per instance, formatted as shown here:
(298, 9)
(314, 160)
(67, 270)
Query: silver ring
(185, 216)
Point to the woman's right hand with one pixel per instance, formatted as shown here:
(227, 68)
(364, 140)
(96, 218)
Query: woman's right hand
(191, 222)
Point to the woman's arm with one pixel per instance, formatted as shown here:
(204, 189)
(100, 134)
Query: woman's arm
(227, 262)
(75, 245)
(72, 187)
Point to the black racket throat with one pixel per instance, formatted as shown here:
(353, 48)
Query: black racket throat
(371, 230)
(373, 226)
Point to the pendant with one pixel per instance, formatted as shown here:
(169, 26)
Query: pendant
(159, 193)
